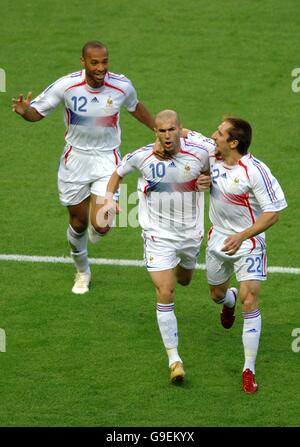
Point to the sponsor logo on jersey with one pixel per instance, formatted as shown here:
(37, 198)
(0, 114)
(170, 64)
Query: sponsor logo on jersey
(94, 99)
(172, 165)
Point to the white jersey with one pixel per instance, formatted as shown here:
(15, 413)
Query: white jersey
(241, 193)
(91, 115)
(169, 204)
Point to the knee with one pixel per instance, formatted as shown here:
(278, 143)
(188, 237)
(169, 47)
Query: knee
(165, 294)
(102, 230)
(249, 302)
(78, 225)
(184, 281)
(183, 275)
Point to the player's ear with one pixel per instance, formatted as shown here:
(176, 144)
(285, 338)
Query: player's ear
(234, 144)
(82, 61)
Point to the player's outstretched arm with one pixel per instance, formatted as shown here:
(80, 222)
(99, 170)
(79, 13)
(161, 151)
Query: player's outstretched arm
(22, 107)
(143, 115)
(113, 185)
(107, 212)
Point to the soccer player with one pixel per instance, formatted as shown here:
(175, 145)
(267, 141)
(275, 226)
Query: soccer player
(92, 99)
(245, 200)
(171, 216)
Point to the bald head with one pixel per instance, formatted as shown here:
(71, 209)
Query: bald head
(92, 44)
(167, 115)
(167, 129)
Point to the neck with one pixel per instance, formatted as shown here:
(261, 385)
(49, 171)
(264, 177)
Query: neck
(233, 158)
(160, 153)
(92, 83)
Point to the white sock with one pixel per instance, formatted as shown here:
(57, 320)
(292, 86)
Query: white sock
(251, 334)
(229, 298)
(78, 244)
(167, 324)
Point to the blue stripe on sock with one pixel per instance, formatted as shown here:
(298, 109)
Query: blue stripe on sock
(165, 307)
(253, 314)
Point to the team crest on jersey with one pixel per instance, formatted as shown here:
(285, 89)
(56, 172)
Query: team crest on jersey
(187, 169)
(235, 185)
(109, 103)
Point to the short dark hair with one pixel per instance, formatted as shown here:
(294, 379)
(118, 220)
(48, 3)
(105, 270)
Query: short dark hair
(240, 131)
(92, 44)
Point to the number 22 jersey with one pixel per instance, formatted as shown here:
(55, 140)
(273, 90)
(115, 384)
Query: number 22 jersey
(241, 193)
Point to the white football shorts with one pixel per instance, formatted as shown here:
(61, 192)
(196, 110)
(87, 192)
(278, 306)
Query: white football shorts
(249, 262)
(82, 173)
(164, 254)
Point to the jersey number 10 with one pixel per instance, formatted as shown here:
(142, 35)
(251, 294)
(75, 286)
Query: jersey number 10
(158, 170)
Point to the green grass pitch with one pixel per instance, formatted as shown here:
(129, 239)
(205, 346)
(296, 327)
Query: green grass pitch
(98, 360)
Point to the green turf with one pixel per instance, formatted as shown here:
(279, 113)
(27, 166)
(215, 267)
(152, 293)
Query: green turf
(98, 360)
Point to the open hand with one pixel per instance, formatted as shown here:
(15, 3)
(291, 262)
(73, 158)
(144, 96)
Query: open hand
(20, 105)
